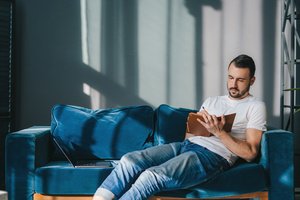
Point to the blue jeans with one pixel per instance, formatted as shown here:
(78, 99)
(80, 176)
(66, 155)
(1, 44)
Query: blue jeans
(141, 174)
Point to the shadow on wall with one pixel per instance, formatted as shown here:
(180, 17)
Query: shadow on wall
(269, 51)
(119, 52)
(195, 8)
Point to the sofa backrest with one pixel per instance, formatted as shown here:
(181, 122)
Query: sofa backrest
(170, 124)
(110, 133)
(104, 134)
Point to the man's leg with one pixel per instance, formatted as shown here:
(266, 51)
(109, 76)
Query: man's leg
(131, 166)
(185, 170)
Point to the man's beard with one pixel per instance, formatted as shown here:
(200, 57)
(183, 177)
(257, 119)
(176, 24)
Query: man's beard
(235, 93)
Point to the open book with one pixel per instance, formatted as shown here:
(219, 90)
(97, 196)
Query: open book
(195, 128)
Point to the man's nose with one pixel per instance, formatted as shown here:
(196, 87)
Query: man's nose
(234, 83)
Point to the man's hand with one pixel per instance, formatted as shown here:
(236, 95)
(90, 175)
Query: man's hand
(246, 149)
(211, 123)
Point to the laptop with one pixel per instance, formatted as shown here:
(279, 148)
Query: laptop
(85, 163)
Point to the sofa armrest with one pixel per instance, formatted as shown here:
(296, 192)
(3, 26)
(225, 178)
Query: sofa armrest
(277, 157)
(25, 150)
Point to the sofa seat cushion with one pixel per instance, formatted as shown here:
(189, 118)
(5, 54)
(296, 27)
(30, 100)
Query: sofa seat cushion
(61, 178)
(103, 134)
(241, 179)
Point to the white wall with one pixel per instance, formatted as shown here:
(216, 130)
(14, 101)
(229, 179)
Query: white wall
(113, 53)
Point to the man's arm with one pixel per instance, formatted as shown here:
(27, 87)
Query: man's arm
(246, 149)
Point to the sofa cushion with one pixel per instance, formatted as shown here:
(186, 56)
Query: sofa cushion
(103, 134)
(241, 179)
(61, 178)
(170, 124)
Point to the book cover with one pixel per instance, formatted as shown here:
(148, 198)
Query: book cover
(195, 128)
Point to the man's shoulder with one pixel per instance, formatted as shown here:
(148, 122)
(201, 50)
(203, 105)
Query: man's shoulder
(256, 104)
(256, 100)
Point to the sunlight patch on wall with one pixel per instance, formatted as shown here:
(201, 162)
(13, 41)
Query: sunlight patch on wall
(214, 70)
(152, 51)
(277, 68)
(84, 48)
(166, 35)
(91, 33)
(93, 94)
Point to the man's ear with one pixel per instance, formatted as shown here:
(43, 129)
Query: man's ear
(252, 80)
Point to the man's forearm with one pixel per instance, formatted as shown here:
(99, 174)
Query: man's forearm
(246, 149)
(239, 147)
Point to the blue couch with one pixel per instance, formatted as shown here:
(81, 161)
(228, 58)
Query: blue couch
(35, 167)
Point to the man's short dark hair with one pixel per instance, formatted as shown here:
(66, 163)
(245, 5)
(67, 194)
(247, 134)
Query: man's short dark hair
(244, 61)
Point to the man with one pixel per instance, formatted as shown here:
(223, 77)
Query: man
(184, 164)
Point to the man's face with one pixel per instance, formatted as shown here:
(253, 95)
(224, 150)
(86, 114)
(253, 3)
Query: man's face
(238, 82)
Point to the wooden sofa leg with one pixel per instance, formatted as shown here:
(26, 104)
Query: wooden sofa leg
(261, 195)
(49, 197)
(264, 196)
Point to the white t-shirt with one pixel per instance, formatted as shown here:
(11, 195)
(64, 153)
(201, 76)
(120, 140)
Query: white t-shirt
(250, 113)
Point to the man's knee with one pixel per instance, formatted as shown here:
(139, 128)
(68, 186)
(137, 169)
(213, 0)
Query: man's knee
(134, 158)
(152, 179)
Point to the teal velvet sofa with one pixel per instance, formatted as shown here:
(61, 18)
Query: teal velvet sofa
(35, 168)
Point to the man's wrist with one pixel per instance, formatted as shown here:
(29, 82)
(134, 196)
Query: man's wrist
(220, 133)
